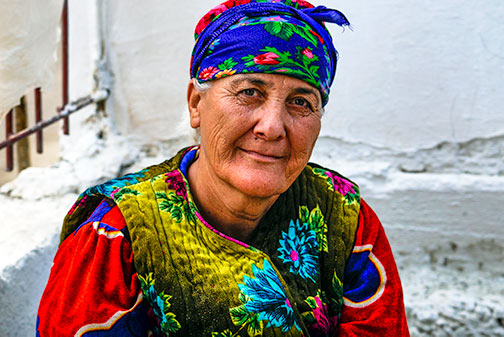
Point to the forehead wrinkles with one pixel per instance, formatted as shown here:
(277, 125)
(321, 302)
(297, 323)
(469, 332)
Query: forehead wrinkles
(252, 80)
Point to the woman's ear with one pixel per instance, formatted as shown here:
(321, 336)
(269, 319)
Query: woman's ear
(193, 100)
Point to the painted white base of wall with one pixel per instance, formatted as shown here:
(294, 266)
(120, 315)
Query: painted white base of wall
(26, 259)
(445, 230)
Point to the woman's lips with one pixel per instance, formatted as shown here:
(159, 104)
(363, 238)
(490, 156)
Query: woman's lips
(263, 157)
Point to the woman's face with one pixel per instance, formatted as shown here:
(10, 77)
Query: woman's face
(257, 130)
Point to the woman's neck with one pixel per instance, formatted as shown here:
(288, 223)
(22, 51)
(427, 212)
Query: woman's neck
(223, 206)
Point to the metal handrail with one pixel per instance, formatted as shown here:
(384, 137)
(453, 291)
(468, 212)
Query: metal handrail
(63, 112)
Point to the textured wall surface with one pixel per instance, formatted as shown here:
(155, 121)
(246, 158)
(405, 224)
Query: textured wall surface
(411, 75)
(150, 48)
(29, 36)
(415, 74)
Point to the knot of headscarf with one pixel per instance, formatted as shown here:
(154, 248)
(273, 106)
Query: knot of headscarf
(255, 36)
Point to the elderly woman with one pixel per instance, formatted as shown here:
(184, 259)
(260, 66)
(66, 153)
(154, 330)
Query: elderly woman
(239, 236)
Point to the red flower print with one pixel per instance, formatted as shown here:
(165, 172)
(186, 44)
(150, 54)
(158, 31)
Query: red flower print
(324, 323)
(214, 12)
(209, 17)
(268, 58)
(208, 73)
(239, 2)
(318, 36)
(201, 25)
(341, 185)
(304, 3)
(175, 182)
(308, 53)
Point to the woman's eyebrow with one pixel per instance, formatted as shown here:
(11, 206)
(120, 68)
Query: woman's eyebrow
(307, 91)
(252, 80)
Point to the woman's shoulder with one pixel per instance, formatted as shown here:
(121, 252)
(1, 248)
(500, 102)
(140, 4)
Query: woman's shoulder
(88, 201)
(104, 220)
(108, 188)
(93, 280)
(331, 180)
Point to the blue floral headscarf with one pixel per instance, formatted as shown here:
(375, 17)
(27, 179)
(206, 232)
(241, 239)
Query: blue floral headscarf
(284, 37)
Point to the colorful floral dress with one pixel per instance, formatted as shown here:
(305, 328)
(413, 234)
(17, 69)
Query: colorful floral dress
(138, 259)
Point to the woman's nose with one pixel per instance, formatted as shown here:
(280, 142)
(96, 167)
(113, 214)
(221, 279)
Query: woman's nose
(271, 122)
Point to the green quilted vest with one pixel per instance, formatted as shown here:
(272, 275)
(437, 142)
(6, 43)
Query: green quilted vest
(285, 281)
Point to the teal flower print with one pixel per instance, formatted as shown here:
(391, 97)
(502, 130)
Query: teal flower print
(214, 44)
(110, 186)
(160, 303)
(299, 248)
(266, 297)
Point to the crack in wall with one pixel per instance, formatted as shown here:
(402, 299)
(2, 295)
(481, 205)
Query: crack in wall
(479, 156)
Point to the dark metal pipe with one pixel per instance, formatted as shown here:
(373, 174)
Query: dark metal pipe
(8, 132)
(68, 110)
(38, 119)
(64, 33)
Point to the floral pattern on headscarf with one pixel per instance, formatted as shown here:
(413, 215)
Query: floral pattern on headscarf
(283, 37)
(219, 9)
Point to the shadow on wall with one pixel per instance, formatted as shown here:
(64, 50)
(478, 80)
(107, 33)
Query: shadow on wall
(49, 157)
(50, 101)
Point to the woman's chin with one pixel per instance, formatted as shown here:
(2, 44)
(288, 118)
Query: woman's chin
(259, 183)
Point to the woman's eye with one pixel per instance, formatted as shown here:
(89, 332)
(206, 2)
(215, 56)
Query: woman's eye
(249, 92)
(300, 101)
(303, 103)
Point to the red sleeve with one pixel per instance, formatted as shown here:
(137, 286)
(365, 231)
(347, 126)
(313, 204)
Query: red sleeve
(373, 298)
(93, 285)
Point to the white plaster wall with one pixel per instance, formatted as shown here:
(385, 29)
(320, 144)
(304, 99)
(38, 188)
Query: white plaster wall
(411, 74)
(83, 54)
(416, 73)
(150, 48)
(29, 36)
(31, 220)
